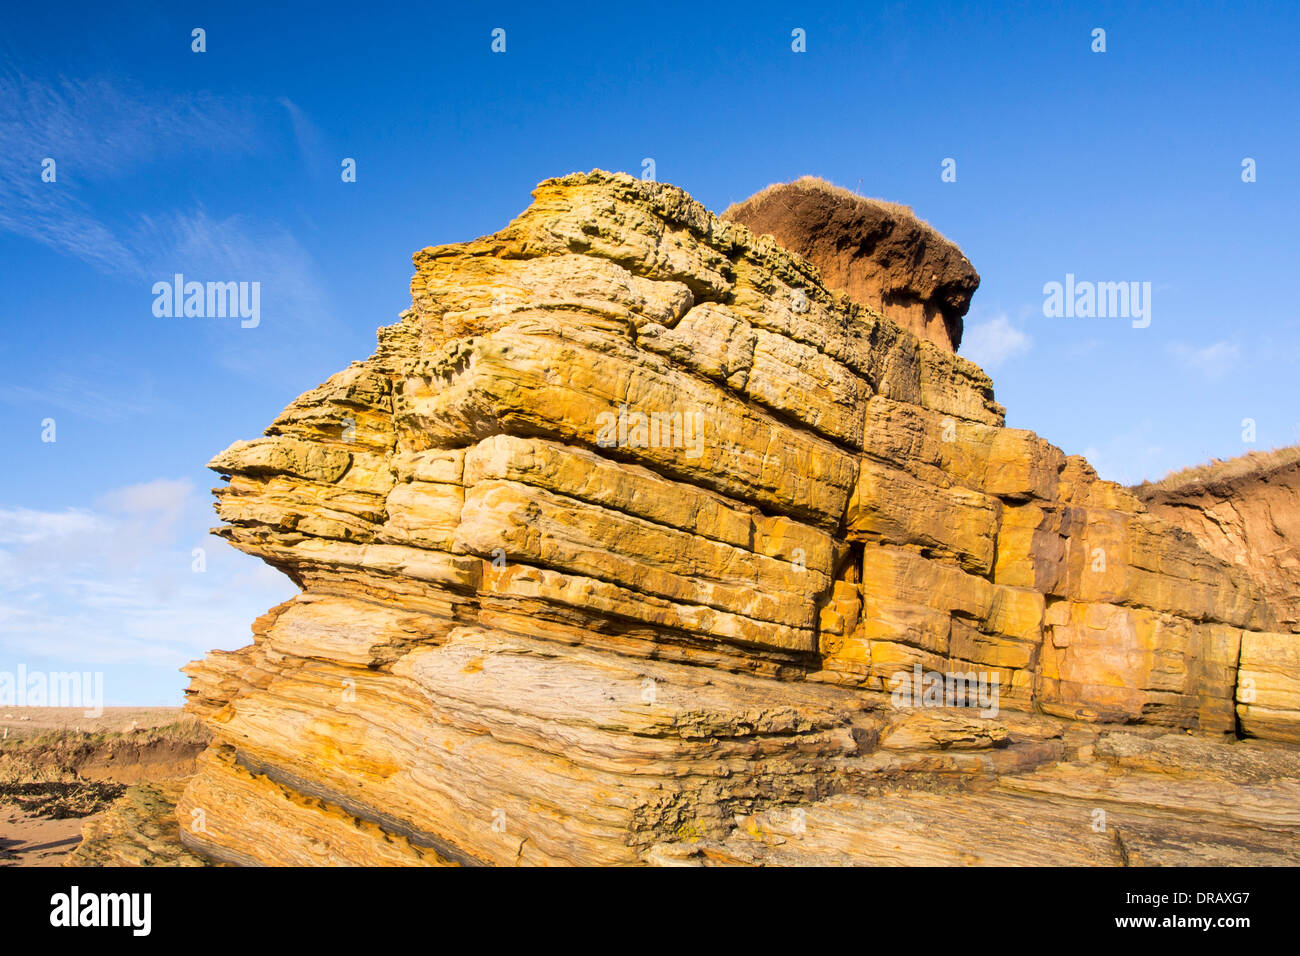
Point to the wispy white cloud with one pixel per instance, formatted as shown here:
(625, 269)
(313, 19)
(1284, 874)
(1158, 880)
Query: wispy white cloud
(105, 128)
(96, 130)
(23, 526)
(311, 142)
(296, 313)
(1213, 361)
(235, 248)
(101, 398)
(114, 583)
(163, 497)
(990, 344)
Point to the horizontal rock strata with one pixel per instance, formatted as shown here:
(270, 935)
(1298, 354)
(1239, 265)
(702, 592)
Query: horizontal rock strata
(631, 528)
(1128, 801)
(1245, 511)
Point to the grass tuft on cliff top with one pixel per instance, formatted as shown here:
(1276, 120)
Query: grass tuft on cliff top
(1218, 474)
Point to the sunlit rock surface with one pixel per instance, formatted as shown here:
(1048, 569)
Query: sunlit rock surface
(624, 543)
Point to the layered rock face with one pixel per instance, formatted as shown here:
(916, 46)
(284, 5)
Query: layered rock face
(632, 539)
(1246, 512)
(878, 253)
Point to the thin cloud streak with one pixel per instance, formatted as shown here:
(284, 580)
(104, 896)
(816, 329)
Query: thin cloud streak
(97, 132)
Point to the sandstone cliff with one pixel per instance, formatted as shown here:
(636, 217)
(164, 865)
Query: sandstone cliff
(1246, 512)
(624, 546)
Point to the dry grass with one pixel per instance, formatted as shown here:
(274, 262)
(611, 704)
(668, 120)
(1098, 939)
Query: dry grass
(28, 720)
(1218, 473)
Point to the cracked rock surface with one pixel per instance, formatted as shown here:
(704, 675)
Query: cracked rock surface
(620, 546)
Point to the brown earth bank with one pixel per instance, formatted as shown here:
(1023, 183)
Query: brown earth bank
(60, 770)
(878, 253)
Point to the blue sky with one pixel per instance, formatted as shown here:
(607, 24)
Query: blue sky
(1115, 166)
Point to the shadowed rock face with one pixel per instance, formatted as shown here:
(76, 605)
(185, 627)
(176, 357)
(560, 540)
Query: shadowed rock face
(877, 253)
(612, 554)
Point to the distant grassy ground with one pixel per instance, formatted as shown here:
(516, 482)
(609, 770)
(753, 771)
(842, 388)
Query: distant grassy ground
(57, 764)
(114, 719)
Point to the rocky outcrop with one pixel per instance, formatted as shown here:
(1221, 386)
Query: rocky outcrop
(1125, 799)
(878, 253)
(632, 530)
(140, 829)
(1246, 512)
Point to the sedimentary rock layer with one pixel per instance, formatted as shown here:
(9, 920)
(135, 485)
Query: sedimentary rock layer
(632, 528)
(1245, 511)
